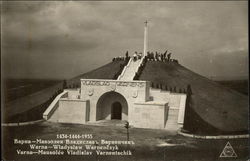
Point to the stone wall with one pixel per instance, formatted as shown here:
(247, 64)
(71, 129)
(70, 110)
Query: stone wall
(148, 115)
(73, 93)
(71, 111)
(50, 113)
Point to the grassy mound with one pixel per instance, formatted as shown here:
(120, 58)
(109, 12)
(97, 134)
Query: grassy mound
(222, 108)
(238, 85)
(107, 71)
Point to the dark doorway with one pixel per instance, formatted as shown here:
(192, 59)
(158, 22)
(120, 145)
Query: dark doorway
(116, 111)
(108, 101)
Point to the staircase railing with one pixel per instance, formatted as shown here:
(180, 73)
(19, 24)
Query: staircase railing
(137, 68)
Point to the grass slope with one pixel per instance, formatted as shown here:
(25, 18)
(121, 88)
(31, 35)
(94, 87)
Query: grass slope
(238, 85)
(223, 108)
(16, 88)
(27, 103)
(107, 71)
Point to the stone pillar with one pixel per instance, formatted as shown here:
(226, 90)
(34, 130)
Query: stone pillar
(145, 39)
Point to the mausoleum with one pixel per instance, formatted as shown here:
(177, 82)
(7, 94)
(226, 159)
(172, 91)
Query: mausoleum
(122, 99)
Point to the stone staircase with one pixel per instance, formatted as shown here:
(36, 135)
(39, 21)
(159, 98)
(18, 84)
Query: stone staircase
(129, 71)
(174, 100)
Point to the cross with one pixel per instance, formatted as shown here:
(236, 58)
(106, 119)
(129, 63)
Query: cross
(146, 22)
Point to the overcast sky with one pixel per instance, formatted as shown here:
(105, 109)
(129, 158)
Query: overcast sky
(63, 39)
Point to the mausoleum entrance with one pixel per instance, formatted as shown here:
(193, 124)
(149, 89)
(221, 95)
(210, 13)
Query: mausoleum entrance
(112, 105)
(116, 111)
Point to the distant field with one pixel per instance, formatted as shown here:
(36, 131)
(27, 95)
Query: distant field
(17, 88)
(238, 85)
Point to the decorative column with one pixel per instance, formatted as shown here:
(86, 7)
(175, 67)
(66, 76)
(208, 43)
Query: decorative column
(145, 39)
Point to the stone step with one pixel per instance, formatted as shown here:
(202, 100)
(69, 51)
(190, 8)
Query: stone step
(172, 118)
(171, 122)
(171, 125)
(175, 117)
(173, 112)
(171, 115)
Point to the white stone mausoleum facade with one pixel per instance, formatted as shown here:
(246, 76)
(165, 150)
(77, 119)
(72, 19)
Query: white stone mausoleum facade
(134, 101)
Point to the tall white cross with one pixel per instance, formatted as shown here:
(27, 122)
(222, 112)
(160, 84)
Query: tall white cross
(145, 39)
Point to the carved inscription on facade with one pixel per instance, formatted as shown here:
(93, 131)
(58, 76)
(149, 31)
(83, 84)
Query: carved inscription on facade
(95, 83)
(108, 83)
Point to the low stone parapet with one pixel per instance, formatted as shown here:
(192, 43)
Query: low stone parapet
(54, 104)
(214, 137)
(22, 123)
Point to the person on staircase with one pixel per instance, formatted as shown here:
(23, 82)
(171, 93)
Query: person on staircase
(139, 55)
(135, 56)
